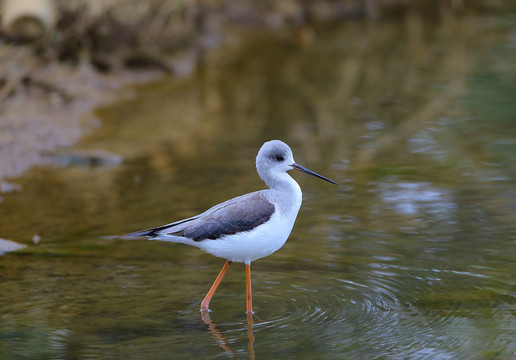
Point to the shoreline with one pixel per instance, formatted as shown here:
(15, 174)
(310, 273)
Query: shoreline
(50, 88)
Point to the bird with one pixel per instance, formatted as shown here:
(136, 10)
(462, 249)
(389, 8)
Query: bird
(248, 227)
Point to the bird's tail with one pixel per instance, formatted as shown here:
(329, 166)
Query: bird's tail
(150, 233)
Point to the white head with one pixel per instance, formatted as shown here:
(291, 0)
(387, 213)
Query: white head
(273, 161)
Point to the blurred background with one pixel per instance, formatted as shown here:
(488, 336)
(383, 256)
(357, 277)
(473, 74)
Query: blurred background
(121, 115)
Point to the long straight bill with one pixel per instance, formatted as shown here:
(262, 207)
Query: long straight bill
(305, 170)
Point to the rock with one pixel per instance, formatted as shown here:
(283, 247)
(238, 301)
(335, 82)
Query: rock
(27, 19)
(87, 158)
(8, 246)
(36, 239)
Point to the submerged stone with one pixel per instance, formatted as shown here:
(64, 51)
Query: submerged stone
(8, 246)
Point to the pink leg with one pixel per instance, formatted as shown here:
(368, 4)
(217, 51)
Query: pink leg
(249, 294)
(206, 302)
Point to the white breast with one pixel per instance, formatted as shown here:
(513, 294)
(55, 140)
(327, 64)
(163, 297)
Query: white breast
(252, 245)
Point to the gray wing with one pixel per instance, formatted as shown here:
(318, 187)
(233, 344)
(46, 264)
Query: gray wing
(239, 214)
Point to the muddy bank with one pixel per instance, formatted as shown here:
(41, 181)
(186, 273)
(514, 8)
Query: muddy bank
(49, 106)
(91, 49)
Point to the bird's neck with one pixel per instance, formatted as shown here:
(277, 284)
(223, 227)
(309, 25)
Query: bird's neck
(287, 193)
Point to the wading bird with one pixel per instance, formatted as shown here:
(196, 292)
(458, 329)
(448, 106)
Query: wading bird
(248, 227)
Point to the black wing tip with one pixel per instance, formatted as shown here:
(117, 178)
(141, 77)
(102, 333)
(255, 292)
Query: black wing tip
(150, 233)
(142, 233)
(155, 232)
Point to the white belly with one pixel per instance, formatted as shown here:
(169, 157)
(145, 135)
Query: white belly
(252, 245)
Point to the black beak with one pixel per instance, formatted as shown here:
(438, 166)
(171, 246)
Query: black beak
(305, 170)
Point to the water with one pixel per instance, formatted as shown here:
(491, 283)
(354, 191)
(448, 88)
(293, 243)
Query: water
(411, 256)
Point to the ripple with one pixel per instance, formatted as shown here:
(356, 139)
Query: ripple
(340, 304)
(372, 309)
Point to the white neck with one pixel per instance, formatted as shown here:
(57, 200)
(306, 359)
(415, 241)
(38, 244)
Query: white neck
(286, 193)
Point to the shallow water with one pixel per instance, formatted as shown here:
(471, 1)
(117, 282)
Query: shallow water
(411, 256)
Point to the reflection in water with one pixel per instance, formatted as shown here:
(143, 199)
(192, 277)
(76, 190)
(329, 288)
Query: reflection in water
(219, 338)
(411, 257)
(222, 342)
(413, 198)
(250, 335)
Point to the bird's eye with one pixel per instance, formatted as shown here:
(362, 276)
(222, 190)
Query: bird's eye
(279, 158)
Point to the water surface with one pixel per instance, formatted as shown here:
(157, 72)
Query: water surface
(411, 256)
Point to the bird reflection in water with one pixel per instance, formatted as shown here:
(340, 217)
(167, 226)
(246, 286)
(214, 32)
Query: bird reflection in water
(221, 340)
